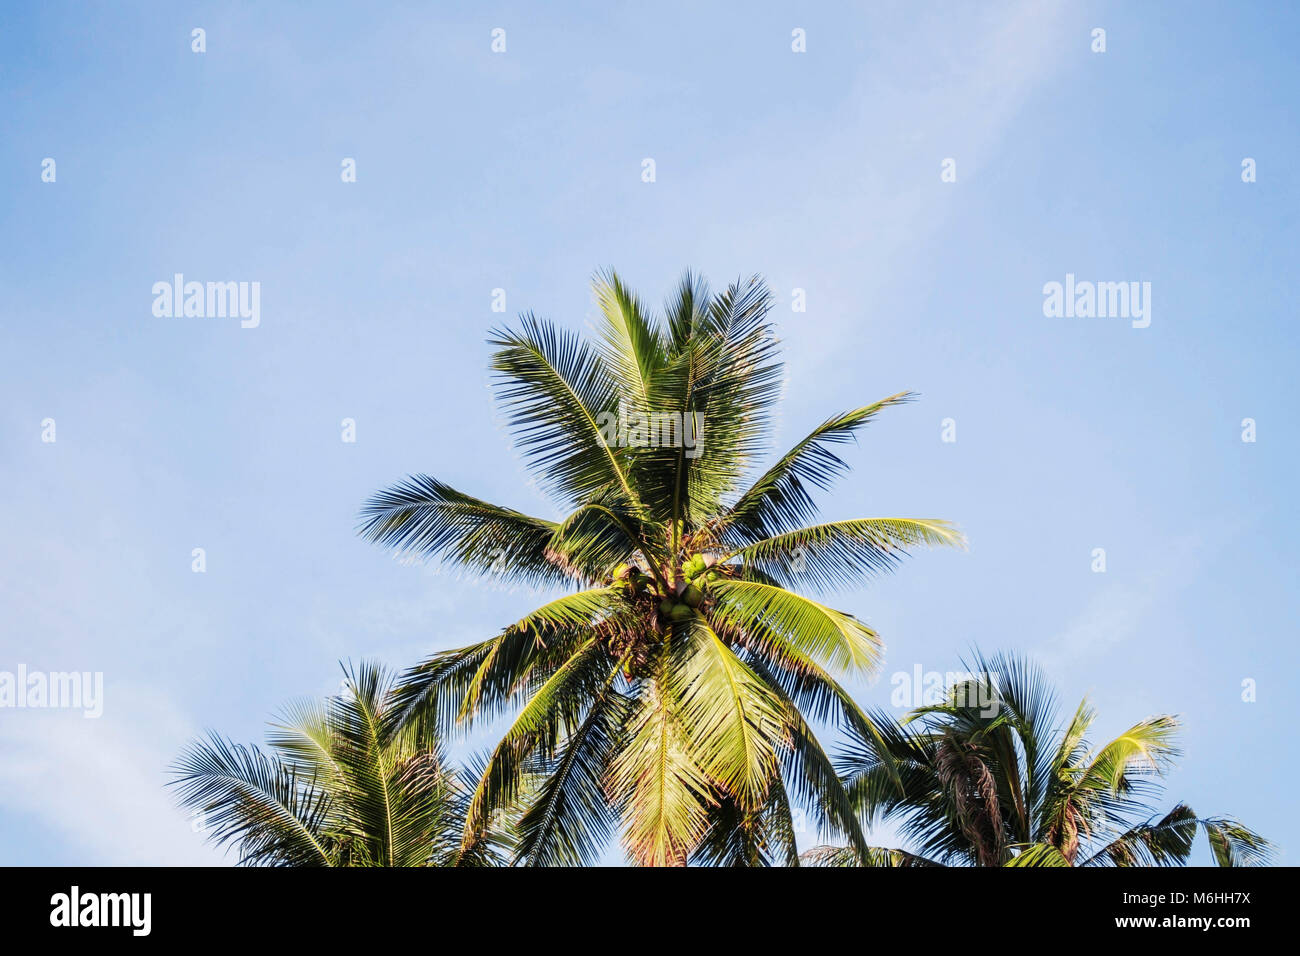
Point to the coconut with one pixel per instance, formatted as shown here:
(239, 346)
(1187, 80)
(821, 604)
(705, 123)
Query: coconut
(693, 596)
(681, 612)
(621, 571)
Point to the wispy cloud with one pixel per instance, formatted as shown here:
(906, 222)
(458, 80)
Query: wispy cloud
(1116, 614)
(99, 784)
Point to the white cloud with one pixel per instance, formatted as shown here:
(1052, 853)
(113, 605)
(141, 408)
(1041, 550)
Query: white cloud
(100, 783)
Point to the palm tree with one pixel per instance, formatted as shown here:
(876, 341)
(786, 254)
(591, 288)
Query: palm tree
(344, 786)
(669, 692)
(988, 779)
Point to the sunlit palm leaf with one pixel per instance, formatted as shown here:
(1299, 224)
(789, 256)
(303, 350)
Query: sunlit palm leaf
(780, 500)
(631, 346)
(735, 721)
(824, 635)
(457, 688)
(1148, 746)
(729, 376)
(665, 794)
(1038, 854)
(844, 553)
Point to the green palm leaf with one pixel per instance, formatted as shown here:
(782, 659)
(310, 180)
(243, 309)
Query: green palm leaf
(826, 636)
(843, 553)
(631, 345)
(666, 794)
(553, 389)
(255, 801)
(556, 705)
(345, 785)
(422, 517)
(780, 500)
(735, 721)
(570, 819)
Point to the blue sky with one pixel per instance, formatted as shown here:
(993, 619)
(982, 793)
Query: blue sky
(522, 171)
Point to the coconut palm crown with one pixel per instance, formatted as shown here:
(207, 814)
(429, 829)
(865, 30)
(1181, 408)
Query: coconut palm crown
(668, 694)
(990, 777)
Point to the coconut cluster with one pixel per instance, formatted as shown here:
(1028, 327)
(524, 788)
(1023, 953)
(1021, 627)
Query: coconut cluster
(688, 591)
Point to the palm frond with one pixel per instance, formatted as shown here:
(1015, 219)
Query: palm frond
(780, 500)
(1148, 746)
(346, 786)
(728, 376)
(361, 750)
(841, 554)
(1235, 844)
(1038, 854)
(631, 346)
(570, 819)
(822, 634)
(811, 777)
(876, 856)
(687, 311)
(666, 795)
(596, 537)
(554, 389)
(556, 706)
(735, 721)
(422, 517)
(738, 836)
(577, 610)
(459, 687)
(258, 802)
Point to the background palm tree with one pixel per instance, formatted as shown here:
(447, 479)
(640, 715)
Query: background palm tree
(989, 779)
(671, 690)
(344, 786)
